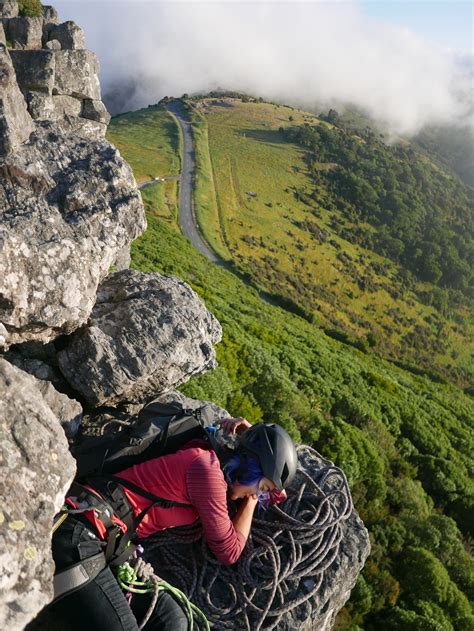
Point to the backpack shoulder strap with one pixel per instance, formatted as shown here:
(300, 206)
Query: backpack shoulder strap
(157, 501)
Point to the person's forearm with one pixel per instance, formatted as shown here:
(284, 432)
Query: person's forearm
(243, 518)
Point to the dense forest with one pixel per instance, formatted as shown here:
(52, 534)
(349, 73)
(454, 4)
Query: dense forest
(404, 440)
(424, 217)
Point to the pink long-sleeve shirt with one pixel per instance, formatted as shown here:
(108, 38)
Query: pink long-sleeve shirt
(193, 476)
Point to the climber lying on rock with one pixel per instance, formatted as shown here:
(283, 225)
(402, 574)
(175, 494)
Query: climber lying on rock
(193, 483)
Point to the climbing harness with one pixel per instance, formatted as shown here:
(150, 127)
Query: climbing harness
(141, 579)
(290, 548)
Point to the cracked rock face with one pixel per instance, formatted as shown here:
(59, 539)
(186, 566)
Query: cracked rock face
(68, 207)
(147, 334)
(35, 455)
(16, 124)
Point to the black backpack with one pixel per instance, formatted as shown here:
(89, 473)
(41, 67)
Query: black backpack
(161, 428)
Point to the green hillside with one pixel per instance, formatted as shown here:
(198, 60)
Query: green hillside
(404, 440)
(369, 241)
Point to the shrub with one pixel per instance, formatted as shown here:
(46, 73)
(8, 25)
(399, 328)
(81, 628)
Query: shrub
(29, 8)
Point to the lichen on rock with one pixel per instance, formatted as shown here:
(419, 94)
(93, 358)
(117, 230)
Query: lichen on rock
(36, 470)
(146, 334)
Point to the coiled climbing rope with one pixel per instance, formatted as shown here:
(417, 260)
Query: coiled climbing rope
(282, 568)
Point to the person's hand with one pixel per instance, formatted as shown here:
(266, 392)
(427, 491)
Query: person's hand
(234, 425)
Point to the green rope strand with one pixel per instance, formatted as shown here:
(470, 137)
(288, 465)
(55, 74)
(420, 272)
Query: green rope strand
(128, 580)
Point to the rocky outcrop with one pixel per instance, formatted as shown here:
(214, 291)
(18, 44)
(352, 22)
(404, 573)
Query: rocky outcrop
(24, 32)
(69, 206)
(58, 78)
(146, 334)
(68, 34)
(50, 15)
(16, 124)
(8, 9)
(36, 469)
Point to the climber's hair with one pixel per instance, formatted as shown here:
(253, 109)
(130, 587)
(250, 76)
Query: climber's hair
(243, 469)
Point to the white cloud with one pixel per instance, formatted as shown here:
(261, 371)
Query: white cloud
(290, 51)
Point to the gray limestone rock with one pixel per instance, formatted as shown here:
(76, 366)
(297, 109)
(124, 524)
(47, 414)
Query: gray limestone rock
(69, 205)
(25, 32)
(40, 106)
(3, 39)
(8, 9)
(69, 35)
(50, 15)
(85, 128)
(3, 337)
(53, 44)
(34, 70)
(65, 110)
(96, 111)
(67, 411)
(34, 453)
(67, 106)
(16, 124)
(77, 74)
(123, 259)
(146, 334)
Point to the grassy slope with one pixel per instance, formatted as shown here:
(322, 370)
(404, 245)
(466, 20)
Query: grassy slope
(385, 426)
(324, 278)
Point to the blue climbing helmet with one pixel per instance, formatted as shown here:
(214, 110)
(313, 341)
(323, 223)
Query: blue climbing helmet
(275, 451)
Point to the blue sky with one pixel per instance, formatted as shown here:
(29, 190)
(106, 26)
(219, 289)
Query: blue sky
(449, 23)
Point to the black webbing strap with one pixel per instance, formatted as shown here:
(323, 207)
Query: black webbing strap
(78, 575)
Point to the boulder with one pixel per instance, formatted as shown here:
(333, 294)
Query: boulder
(3, 39)
(50, 15)
(69, 35)
(77, 74)
(8, 9)
(53, 44)
(96, 111)
(25, 32)
(16, 124)
(146, 334)
(34, 70)
(35, 456)
(68, 206)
